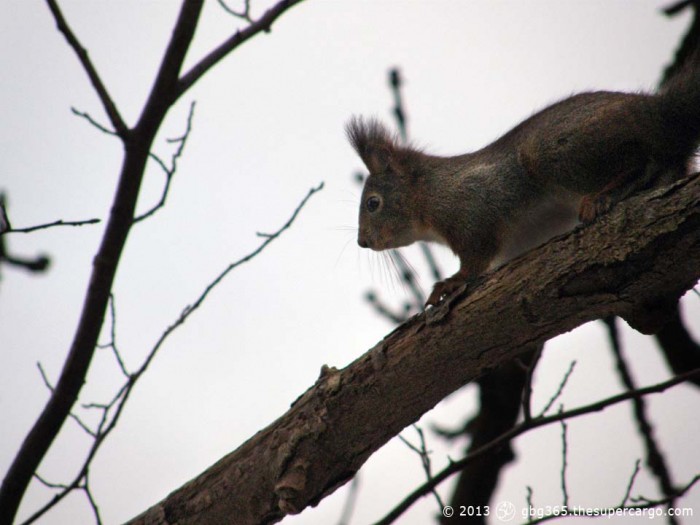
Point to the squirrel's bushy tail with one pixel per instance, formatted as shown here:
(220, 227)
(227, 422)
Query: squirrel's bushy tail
(680, 105)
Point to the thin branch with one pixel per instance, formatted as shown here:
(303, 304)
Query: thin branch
(91, 499)
(170, 170)
(430, 259)
(49, 484)
(245, 14)
(263, 24)
(198, 302)
(399, 113)
(93, 122)
(560, 389)
(118, 402)
(574, 511)
(384, 310)
(4, 219)
(424, 455)
(73, 416)
(564, 462)
(528, 497)
(633, 477)
(654, 457)
(113, 336)
(59, 222)
(82, 349)
(523, 427)
(109, 106)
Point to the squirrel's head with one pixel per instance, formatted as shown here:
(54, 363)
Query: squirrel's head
(389, 216)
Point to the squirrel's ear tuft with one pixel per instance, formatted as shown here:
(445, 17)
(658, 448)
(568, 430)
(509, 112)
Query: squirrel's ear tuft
(372, 141)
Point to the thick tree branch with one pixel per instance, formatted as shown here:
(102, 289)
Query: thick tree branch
(682, 353)
(647, 248)
(115, 118)
(164, 92)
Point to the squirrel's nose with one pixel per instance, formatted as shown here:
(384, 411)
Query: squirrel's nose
(362, 241)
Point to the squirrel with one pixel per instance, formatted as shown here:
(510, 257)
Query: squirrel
(566, 164)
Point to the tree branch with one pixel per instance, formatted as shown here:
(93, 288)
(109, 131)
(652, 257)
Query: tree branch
(59, 222)
(647, 247)
(655, 459)
(115, 118)
(262, 24)
(524, 427)
(137, 144)
(112, 410)
(169, 170)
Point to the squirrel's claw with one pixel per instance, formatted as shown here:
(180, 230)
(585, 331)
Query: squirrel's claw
(445, 288)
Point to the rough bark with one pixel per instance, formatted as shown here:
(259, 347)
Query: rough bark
(645, 252)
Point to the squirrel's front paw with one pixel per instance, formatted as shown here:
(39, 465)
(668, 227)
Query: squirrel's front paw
(445, 288)
(593, 206)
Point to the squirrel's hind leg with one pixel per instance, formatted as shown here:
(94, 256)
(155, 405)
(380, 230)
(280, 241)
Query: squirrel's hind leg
(625, 184)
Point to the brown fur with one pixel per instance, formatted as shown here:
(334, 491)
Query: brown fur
(572, 160)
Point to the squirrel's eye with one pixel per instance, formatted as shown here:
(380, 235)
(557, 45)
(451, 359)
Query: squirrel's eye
(373, 204)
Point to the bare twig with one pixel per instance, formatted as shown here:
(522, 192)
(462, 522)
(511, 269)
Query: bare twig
(74, 372)
(612, 511)
(244, 14)
(112, 344)
(384, 310)
(92, 121)
(262, 24)
(49, 484)
(167, 88)
(112, 410)
(93, 504)
(560, 389)
(399, 113)
(564, 463)
(633, 477)
(170, 170)
(37, 264)
(4, 219)
(424, 455)
(654, 457)
(73, 416)
(59, 222)
(109, 107)
(528, 497)
(189, 309)
(523, 427)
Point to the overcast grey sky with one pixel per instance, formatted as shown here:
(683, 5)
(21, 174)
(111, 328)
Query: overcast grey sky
(268, 125)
